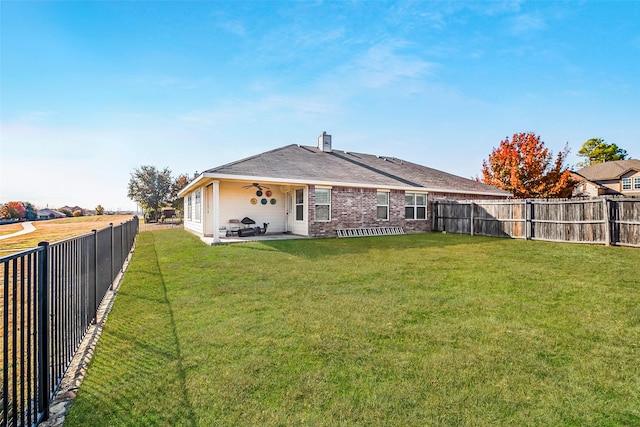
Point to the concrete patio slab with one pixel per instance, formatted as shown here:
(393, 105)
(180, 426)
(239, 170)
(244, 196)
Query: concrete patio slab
(224, 240)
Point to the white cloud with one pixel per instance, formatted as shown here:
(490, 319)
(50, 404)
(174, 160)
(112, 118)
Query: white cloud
(415, 15)
(268, 107)
(382, 65)
(527, 23)
(298, 47)
(234, 27)
(34, 116)
(498, 7)
(158, 81)
(326, 97)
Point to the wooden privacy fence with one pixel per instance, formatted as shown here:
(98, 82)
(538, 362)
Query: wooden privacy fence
(603, 220)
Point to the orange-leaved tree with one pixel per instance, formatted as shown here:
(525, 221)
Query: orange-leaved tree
(13, 210)
(524, 167)
(178, 184)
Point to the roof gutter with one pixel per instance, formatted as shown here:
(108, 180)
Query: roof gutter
(193, 184)
(212, 176)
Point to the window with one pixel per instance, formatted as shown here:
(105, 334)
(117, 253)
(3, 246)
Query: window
(382, 210)
(198, 204)
(415, 206)
(189, 206)
(323, 204)
(636, 183)
(626, 183)
(300, 205)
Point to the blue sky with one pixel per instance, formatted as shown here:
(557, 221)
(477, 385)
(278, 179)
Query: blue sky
(92, 90)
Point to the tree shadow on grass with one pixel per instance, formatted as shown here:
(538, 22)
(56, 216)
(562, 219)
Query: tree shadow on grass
(137, 376)
(182, 376)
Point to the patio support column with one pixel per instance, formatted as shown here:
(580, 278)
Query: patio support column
(216, 212)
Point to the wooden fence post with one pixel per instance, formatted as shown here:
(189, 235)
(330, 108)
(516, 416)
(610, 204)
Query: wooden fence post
(607, 221)
(434, 226)
(608, 224)
(473, 206)
(528, 216)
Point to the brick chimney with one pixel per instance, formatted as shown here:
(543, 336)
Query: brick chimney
(324, 142)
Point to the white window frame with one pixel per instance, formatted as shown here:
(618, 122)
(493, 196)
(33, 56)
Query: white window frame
(636, 183)
(189, 207)
(198, 206)
(415, 206)
(298, 204)
(326, 203)
(626, 184)
(379, 205)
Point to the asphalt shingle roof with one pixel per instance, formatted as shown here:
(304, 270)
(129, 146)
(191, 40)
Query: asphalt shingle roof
(609, 170)
(311, 164)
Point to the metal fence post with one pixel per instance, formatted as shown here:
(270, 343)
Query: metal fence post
(123, 246)
(95, 273)
(43, 328)
(112, 268)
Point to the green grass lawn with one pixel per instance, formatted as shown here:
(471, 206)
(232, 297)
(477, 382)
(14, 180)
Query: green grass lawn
(428, 330)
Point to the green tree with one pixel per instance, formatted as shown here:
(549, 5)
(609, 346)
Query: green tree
(99, 210)
(31, 213)
(596, 150)
(150, 188)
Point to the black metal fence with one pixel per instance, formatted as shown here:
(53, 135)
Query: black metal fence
(50, 296)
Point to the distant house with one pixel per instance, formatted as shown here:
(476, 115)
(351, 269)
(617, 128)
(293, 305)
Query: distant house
(49, 214)
(315, 191)
(620, 177)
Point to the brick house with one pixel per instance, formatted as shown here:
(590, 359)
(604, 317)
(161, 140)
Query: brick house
(315, 191)
(619, 177)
